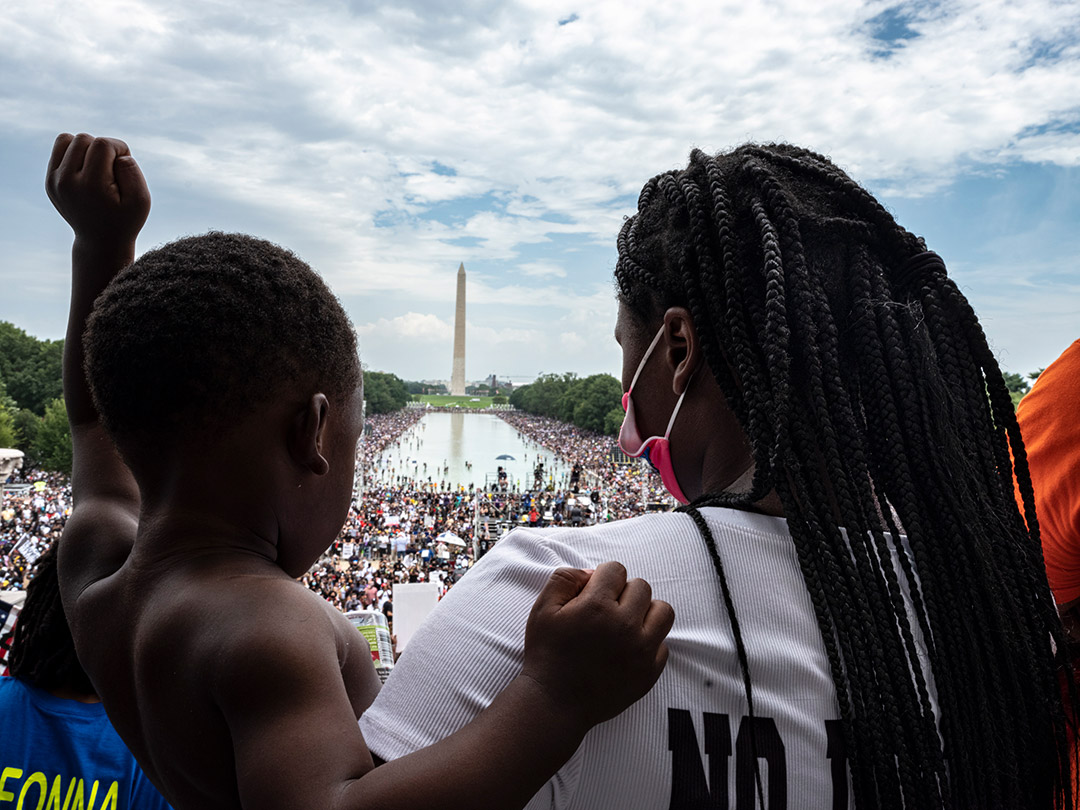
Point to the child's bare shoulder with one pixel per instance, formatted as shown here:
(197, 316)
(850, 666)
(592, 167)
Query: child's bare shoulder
(215, 612)
(272, 630)
(238, 610)
(242, 659)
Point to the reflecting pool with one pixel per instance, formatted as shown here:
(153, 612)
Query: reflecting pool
(465, 448)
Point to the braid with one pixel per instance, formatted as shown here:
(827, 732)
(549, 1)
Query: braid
(878, 415)
(740, 648)
(751, 407)
(42, 652)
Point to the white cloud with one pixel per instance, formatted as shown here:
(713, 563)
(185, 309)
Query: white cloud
(327, 119)
(411, 325)
(328, 109)
(542, 269)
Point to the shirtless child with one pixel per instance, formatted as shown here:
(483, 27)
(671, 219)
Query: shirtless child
(224, 373)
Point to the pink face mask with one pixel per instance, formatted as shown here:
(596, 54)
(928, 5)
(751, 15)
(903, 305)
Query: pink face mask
(656, 449)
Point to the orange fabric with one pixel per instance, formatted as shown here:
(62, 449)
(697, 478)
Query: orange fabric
(1049, 418)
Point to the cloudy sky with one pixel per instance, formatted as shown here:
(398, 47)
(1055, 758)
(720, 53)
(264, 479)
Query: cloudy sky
(387, 143)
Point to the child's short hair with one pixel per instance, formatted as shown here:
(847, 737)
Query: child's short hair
(207, 328)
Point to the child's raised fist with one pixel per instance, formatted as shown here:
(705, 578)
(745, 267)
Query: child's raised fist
(97, 186)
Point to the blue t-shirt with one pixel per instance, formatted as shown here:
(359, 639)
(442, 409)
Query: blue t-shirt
(57, 752)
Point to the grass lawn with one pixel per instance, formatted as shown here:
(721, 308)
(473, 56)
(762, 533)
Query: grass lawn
(443, 401)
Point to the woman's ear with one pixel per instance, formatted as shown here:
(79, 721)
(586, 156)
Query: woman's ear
(682, 350)
(307, 434)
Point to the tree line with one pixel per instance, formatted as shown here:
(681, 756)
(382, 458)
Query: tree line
(32, 413)
(593, 403)
(385, 392)
(33, 417)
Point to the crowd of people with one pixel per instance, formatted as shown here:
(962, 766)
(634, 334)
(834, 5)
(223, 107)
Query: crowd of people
(400, 527)
(33, 509)
(628, 487)
(406, 526)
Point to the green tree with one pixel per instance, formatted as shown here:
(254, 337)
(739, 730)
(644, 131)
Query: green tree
(7, 428)
(1016, 383)
(1017, 386)
(384, 392)
(544, 396)
(31, 368)
(572, 393)
(517, 397)
(53, 443)
(8, 409)
(587, 402)
(499, 400)
(594, 398)
(27, 425)
(613, 421)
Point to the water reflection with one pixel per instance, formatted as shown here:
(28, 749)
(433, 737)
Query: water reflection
(463, 449)
(457, 436)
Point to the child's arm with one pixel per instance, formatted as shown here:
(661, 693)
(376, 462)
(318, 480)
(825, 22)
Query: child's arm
(588, 656)
(98, 188)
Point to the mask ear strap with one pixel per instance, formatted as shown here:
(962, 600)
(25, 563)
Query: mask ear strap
(645, 357)
(678, 405)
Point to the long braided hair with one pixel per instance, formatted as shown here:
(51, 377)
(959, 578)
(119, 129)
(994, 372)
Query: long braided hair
(42, 652)
(878, 414)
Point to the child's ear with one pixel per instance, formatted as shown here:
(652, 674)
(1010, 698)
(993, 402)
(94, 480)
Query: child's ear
(307, 434)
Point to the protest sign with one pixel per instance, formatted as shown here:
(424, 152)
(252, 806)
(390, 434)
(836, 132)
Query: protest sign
(413, 601)
(28, 549)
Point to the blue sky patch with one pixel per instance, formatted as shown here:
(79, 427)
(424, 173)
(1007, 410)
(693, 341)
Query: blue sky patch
(1067, 124)
(457, 211)
(387, 218)
(465, 241)
(891, 29)
(1045, 52)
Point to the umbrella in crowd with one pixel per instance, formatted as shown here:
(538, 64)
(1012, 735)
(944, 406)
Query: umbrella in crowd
(450, 539)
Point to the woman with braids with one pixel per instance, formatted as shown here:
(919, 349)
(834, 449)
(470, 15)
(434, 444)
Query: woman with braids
(862, 616)
(57, 747)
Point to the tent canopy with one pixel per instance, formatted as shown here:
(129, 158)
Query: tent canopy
(10, 460)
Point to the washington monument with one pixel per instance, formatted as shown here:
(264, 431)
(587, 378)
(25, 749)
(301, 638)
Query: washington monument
(457, 379)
